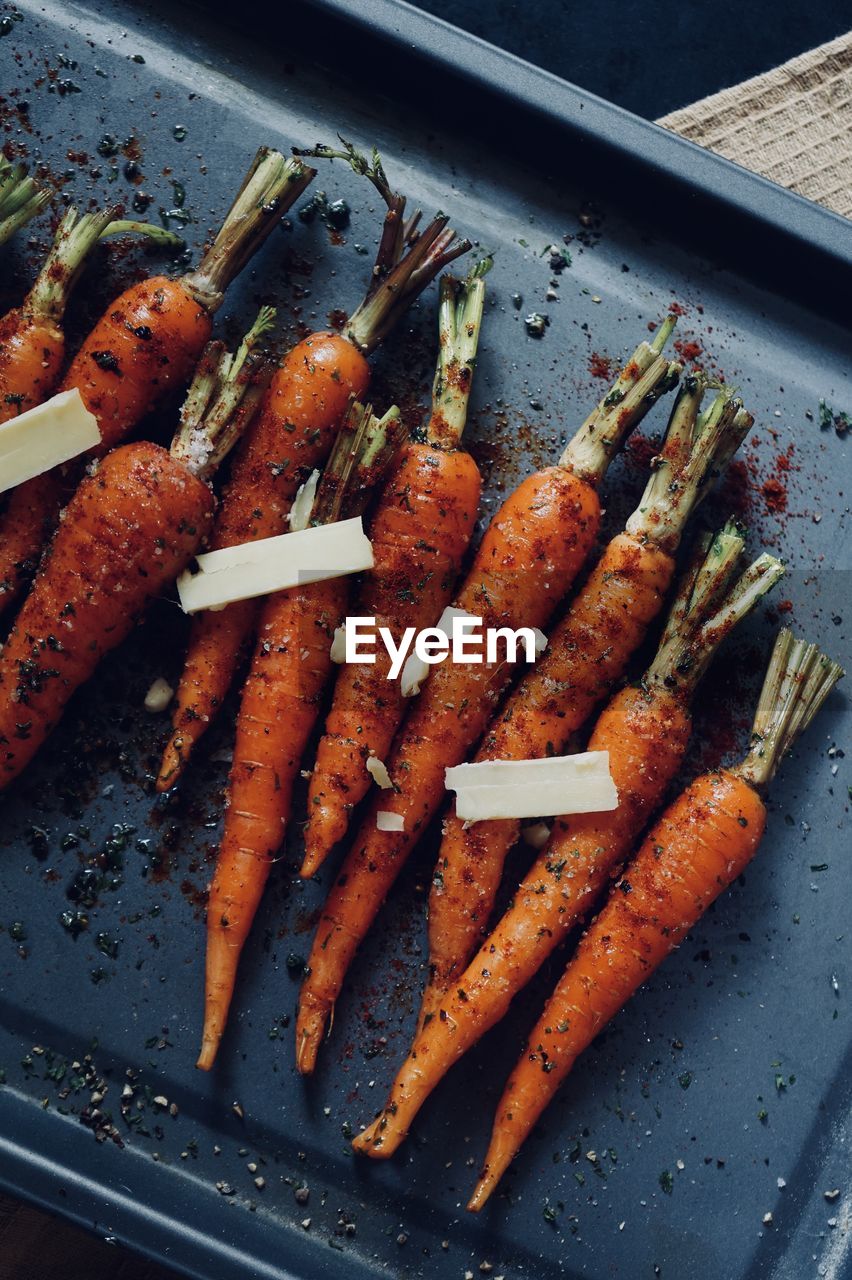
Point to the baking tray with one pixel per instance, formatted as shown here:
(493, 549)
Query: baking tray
(730, 1070)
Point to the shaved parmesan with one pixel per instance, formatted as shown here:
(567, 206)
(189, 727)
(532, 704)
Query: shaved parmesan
(536, 835)
(158, 696)
(527, 788)
(303, 503)
(275, 564)
(44, 437)
(416, 670)
(540, 641)
(388, 821)
(338, 645)
(378, 772)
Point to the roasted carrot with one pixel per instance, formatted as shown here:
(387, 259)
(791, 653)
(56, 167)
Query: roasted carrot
(645, 729)
(420, 529)
(703, 841)
(586, 654)
(527, 560)
(21, 198)
(293, 434)
(32, 352)
(278, 712)
(148, 343)
(131, 527)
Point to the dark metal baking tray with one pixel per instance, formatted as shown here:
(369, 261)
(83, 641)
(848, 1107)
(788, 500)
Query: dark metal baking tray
(730, 1071)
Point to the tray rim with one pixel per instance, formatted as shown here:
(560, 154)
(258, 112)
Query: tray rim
(592, 119)
(586, 118)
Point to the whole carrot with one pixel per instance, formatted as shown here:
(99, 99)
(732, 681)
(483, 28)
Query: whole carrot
(133, 524)
(586, 654)
(279, 709)
(645, 730)
(21, 198)
(527, 560)
(149, 342)
(420, 529)
(293, 434)
(703, 841)
(32, 353)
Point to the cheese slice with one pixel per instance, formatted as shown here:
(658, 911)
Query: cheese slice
(273, 564)
(303, 503)
(533, 788)
(44, 437)
(388, 821)
(378, 771)
(415, 669)
(158, 696)
(337, 652)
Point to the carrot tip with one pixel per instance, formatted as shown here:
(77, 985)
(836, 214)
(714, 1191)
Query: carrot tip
(377, 1141)
(171, 766)
(207, 1056)
(314, 858)
(481, 1193)
(309, 1034)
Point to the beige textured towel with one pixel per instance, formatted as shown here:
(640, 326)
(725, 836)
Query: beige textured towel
(793, 124)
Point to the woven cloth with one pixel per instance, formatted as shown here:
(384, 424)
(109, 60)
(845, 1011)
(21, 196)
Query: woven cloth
(793, 124)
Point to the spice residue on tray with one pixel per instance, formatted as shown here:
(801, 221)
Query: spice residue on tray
(601, 367)
(774, 487)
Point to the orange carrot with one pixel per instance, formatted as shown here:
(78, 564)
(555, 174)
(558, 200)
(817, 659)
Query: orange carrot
(133, 524)
(293, 434)
(279, 709)
(587, 652)
(21, 198)
(703, 841)
(32, 352)
(528, 559)
(420, 530)
(645, 730)
(148, 344)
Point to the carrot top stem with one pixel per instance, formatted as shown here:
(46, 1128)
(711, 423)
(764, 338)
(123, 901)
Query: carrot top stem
(689, 643)
(21, 198)
(459, 325)
(223, 398)
(373, 169)
(707, 575)
(157, 235)
(645, 377)
(396, 279)
(396, 232)
(432, 250)
(271, 185)
(695, 448)
(798, 681)
(362, 453)
(75, 239)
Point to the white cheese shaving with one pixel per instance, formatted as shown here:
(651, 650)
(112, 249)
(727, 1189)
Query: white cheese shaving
(158, 696)
(378, 772)
(540, 641)
(416, 670)
(43, 437)
(526, 788)
(536, 835)
(338, 645)
(388, 821)
(303, 503)
(275, 564)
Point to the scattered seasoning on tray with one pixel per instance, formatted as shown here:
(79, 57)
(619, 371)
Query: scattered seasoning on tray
(828, 417)
(536, 323)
